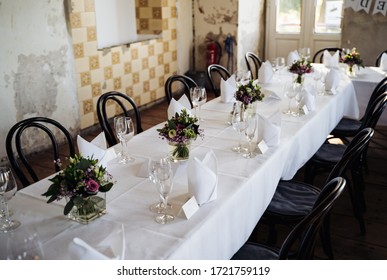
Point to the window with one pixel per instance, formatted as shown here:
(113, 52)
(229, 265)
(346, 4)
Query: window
(288, 16)
(328, 16)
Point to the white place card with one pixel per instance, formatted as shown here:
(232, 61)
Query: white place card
(262, 147)
(189, 208)
(305, 110)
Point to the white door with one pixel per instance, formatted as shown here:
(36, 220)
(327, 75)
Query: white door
(295, 24)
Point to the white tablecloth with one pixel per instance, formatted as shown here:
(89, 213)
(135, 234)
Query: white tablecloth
(216, 230)
(365, 82)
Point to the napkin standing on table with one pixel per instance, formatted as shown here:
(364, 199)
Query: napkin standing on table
(383, 62)
(331, 61)
(292, 57)
(309, 96)
(265, 72)
(228, 89)
(270, 128)
(203, 178)
(332, 81)
(97, 149)
(176, 106)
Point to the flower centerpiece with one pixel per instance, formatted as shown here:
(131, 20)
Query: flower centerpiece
(247, 95)
(179, 131)
(81, 184)
(352, 58)
(299, 68)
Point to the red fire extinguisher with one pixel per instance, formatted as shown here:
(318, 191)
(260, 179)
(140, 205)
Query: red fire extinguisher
(212, 53)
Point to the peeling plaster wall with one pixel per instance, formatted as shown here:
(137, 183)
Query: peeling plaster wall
(215, 19)
(366, 32)
(184, 35)
(37, 66)
(250, 38)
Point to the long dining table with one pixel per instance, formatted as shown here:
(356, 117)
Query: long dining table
(217, 229)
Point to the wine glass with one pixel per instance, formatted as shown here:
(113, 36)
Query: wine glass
(290, 93)
(8, 188)
(251, 127)
(153, 165)
(317, 76)
(195, 94)
(299, 98)
(242, 77)
(125, 131)
(239, 124)
(305, 53)
(22, 244)
(164, 178)
(280, 63)
(202, 100)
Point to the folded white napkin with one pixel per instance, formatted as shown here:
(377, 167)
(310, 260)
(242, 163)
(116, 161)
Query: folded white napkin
(97, 149)
(292, 56)
(228, 89)
(270, 128)
(176, 106)
(309, 96)
(383, 62)
(265, 72)
(112, 247)
(331, 61)
(270, 96)
(203, 178)
(332, 81)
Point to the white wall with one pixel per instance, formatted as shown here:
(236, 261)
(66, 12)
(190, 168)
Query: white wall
(184, 36)
(37, 66)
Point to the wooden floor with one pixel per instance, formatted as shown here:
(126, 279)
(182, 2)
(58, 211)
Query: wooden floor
(348, 243)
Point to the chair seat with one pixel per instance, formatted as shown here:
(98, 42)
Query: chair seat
(347, 127)
(251, 251)
(330, 153)
(292, 198)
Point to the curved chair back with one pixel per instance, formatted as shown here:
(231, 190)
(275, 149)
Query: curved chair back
(253, 63)
(379, 58)
(380, 88)
(351, 156)
(318, 56)
(374, 111)
(187, 83)
(214, 73)
(19, 159)
(124, 102)
(305, 232)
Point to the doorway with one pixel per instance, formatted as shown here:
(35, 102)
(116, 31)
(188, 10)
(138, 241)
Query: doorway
(295, 24)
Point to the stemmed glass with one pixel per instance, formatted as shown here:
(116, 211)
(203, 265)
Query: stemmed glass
(239, 124)
(195, 94)
(305, 53)
(125, 131)
(153, 165)
(299, 98)
(22, 244)
(242, 77)
(202, 100)
(164, 182)
(251, 127)
(317, 76)
(8, 188)
(290, 93)
(280, 63)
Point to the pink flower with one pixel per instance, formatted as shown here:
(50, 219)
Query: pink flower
(92, 185)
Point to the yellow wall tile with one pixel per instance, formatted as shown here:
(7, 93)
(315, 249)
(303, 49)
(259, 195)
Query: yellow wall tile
(85, 78)
(118, 70)
(127, 67)
(97, 75)
(88, 19)
(105, 59)
(117, 84)
(108, 72)
(144, 75)
(82, 64)
(136, 65)
(115, 57)
(84, 93)
(78, 50)
(79, 35)
(94, 62)
(96, 90)
(89, 6)
(91, 33)
(87, 106)
(90, 48)
(77, 6)
(87, 120)
(75, 20)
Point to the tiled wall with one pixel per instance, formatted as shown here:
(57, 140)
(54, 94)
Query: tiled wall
(139, 70)
(148, 16)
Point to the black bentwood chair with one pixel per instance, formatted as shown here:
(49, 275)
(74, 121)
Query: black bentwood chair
(318, 56)
(300, 242)
(214, 73)
(129, 109)
(19, 137)
(293, 200)
(253, 63)
(183, 80)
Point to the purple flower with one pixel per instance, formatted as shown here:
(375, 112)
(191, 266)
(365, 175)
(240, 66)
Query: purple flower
(92, 186)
